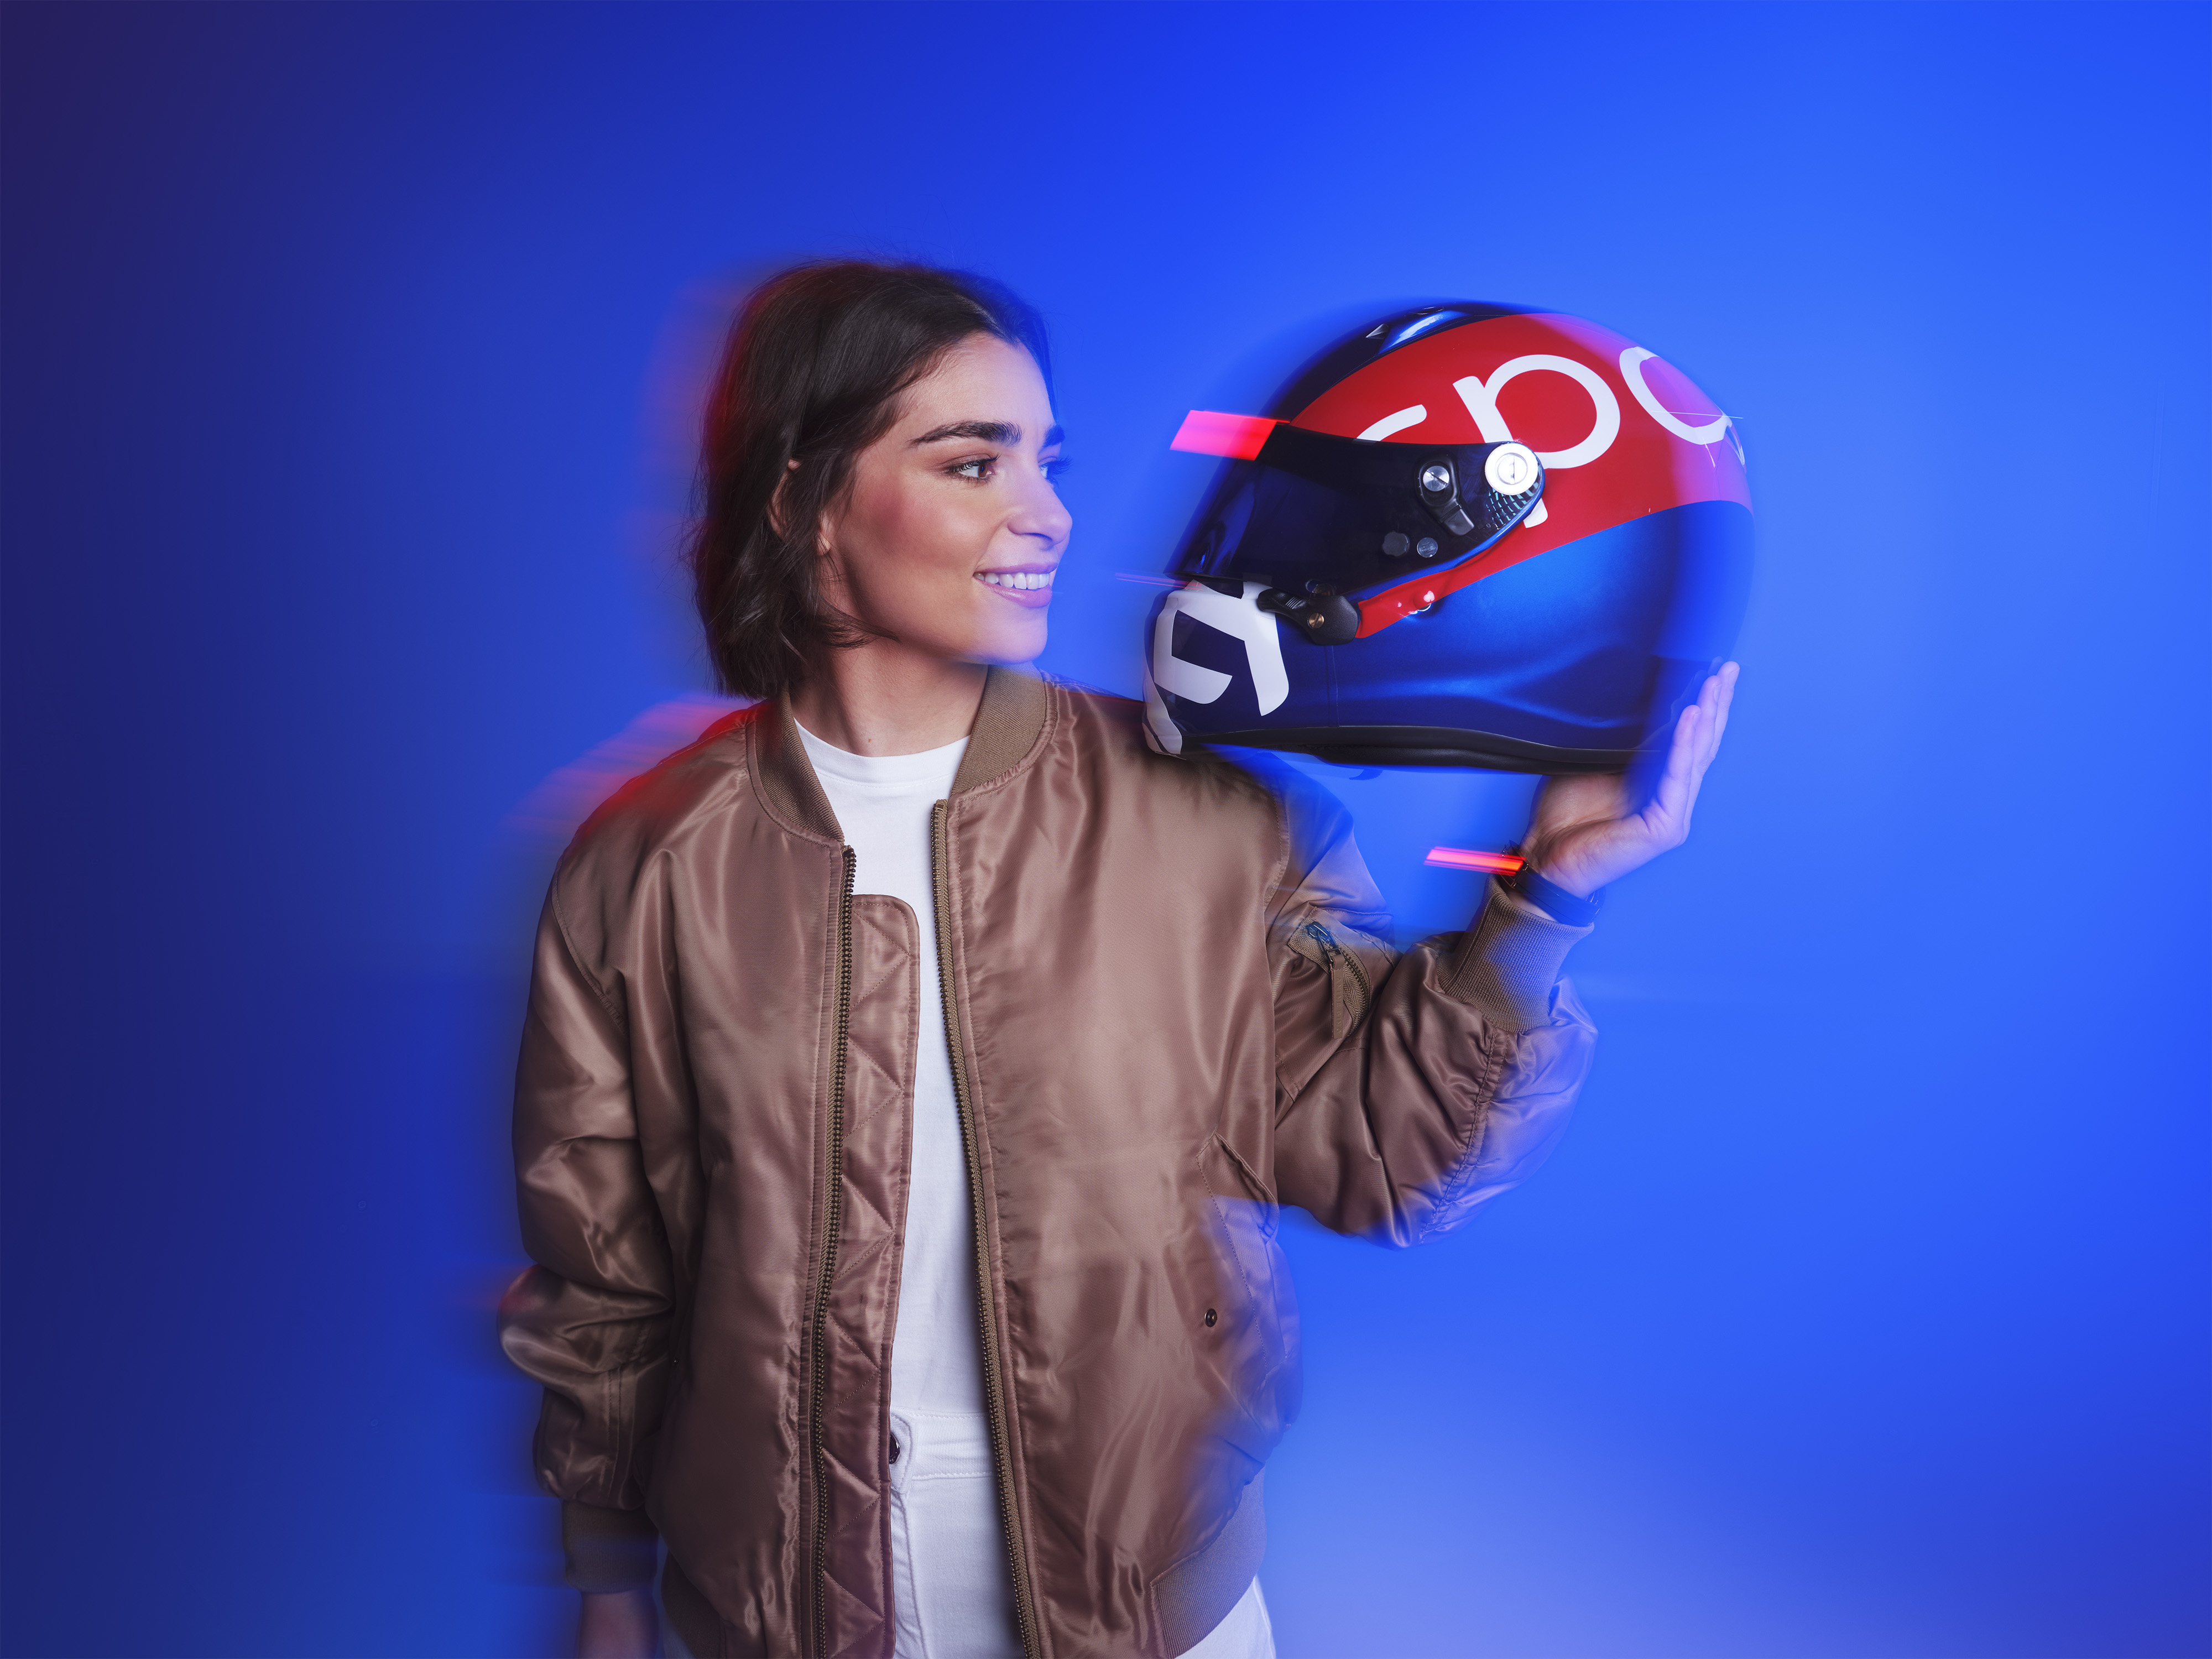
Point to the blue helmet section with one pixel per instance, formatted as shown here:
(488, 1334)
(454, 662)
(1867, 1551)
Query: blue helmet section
(1568, 661)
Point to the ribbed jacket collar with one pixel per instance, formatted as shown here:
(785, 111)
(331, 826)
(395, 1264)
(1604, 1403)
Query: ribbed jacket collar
(1008, 724)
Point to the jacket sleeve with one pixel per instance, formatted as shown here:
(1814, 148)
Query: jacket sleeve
(1411, 1089)
(592, 1321)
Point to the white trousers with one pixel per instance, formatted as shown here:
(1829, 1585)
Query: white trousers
(952, 1589)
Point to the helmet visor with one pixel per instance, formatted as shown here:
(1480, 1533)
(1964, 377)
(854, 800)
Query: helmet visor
(1298, 509)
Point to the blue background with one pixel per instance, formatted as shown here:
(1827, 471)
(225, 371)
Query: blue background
(347, 354)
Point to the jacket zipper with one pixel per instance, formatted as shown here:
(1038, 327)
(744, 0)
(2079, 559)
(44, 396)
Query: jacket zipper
(836, 1212)
(994, 1399)
(1330, 950)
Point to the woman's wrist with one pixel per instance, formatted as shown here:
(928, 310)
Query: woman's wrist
(1566, 878)
(1559, 899)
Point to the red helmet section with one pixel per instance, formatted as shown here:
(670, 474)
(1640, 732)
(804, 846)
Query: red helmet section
(1620, 433)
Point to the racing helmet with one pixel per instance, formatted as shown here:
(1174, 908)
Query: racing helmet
(1468, 535)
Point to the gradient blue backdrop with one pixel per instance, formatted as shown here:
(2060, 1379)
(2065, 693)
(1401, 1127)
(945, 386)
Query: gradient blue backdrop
(347, 354)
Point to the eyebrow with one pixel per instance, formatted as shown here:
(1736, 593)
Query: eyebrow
(989, 432)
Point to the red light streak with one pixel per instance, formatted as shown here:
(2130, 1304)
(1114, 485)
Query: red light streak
(1238, 436)
(1460, 858)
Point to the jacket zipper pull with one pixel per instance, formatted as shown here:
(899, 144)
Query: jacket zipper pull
(1320, 936)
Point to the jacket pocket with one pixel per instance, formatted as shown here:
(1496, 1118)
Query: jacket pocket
(1351, 986)
(1252, 1337)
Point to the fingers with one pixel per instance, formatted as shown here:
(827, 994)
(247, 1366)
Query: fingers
(1571, 809)
(1709, 720)
(1678, 783)
(1700, 730)
(1727, 677)
(1713, 700)
(1709, 734)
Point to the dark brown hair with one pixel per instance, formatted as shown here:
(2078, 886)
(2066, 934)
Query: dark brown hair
(816, 362)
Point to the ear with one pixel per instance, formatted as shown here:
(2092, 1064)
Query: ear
(778, 509)
(779, 513)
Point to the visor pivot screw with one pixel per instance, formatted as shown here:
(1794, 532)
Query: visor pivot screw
(1395, 545)
(1510, 469)
(1436, 479)
(1426, 547)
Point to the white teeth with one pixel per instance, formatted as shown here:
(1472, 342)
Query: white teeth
(1025, 579)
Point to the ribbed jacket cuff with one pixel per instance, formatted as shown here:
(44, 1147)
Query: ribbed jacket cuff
(608, 1550)
(1507, 964)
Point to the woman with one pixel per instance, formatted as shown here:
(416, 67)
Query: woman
(915, 1065)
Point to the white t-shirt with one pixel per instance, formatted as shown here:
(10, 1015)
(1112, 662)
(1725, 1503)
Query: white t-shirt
(883, 804)
(955, 1594)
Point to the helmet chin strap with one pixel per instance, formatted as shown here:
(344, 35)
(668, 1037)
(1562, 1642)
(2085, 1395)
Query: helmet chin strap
(1324, 618)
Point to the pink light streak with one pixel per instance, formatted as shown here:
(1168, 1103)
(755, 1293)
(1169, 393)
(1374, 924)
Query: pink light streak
(1460, 858)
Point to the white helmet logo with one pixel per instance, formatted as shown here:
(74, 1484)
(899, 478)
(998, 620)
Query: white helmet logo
(1239, 619)
(1631, 370)
(1480, 397)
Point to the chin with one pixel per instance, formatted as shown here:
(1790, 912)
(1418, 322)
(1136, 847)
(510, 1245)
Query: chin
(1005, 647)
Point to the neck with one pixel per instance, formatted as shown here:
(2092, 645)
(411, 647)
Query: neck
(884, 698)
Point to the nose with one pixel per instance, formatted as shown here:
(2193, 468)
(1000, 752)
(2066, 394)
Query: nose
(1039, 512)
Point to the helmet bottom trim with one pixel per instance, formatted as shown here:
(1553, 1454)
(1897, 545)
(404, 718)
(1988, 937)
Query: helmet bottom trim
(1424, 745)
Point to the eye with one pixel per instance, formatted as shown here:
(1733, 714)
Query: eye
(978, 467)
(1053, 467)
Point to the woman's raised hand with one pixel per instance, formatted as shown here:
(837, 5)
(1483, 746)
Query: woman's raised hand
(1583, 836)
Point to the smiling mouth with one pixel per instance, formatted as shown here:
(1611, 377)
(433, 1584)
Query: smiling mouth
(1021, 581)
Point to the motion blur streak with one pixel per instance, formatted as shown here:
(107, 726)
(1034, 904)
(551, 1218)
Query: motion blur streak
(1860, 1313)
(1205, 433)
(551, 811)
(1461, 858)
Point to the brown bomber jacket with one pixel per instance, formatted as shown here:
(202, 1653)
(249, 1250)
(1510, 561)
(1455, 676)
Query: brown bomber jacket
(1169, 1016)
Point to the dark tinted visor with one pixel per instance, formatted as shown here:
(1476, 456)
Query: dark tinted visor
(1294, 506)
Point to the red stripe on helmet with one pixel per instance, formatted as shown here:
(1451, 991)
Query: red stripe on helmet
(1240, 437)
(1422, 589)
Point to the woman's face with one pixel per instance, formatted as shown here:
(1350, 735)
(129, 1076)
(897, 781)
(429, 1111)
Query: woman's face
(951, 532)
